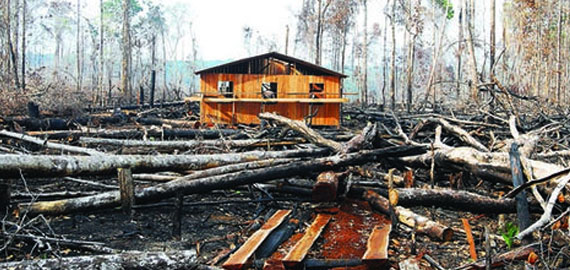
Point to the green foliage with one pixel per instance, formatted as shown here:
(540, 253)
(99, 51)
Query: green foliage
(446, 4)
(509, 232)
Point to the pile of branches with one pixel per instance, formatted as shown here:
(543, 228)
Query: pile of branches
(432, 151)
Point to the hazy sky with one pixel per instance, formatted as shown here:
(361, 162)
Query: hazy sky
(218, 24)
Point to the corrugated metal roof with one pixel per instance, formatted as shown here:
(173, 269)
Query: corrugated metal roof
(282, 57)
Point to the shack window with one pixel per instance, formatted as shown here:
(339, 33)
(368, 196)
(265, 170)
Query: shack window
(226, 88)
(316, 90)
(269, 90)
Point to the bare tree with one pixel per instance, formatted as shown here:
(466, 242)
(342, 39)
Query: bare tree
(393, 58)
(365, 55)
(125, 74)
(101, 55)
(474, 77)
(24, 6)
(492, 39)
(78, 46)
(558, 52)
(320, 29)
(460, 18)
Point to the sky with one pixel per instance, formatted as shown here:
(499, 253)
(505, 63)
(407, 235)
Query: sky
(218, 24)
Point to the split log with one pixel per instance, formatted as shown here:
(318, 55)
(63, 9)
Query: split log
(183, 259)
(297, 254)
(450, 198)
(183, 186)
(13, 165)
(421, 223)
(377, 246)
(239, 258)
(181, 144)
(137, 134)
(51, 145)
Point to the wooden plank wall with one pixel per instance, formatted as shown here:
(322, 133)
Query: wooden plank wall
(249, 86)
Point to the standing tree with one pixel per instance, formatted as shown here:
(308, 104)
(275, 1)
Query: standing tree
(365, 56)
(126, 62)
(393, 58)
(99, 97)
(78, 46)
(24, 7)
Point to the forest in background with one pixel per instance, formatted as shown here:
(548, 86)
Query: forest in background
(430, 53)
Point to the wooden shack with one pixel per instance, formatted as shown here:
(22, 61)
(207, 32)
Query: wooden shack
(236, 92)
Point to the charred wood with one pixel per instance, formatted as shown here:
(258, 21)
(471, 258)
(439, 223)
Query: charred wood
(14, 165)
(183, 186)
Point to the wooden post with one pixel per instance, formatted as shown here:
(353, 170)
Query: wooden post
(177, 217)
(518, 179)
(126, 186)
(4, 195)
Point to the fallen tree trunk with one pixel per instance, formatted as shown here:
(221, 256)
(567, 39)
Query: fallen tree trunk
(51, 145)
(183, 259)
(456, 199)
(137, 134)
(202, 185)
(491, 166)
(356, 143)
(311, 135)
(421, 223)
(13, 165)
(179, 144)
(63, 123)
(171, 122)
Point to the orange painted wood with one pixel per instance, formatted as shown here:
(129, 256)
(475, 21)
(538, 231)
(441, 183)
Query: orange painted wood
(299, 251)
(246, 102)
(377, 247)
(239, 259)
(469, 235)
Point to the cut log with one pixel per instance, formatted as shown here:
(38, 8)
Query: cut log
(377, 247)
(183, 259)
(297, 254)
(421, 223)
(326, 186)
(13, 165)
(239, 259)
(127, 189)
(137, 134)
(502, 259)
(51, 145)
(169, 189)
(450, 198)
